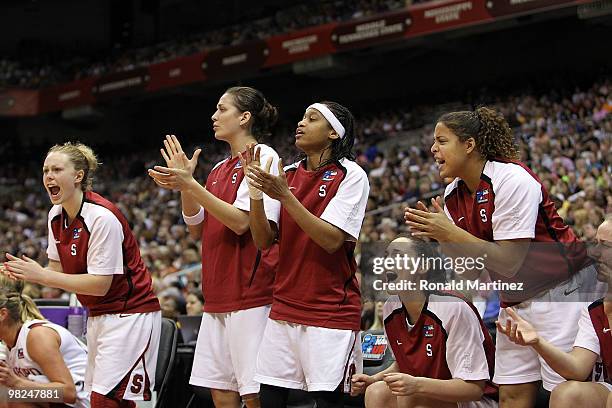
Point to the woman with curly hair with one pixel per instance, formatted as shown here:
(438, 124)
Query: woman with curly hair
(497, 208)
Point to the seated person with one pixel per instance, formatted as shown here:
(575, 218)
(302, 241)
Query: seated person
(443, 352)
(40, 354)
(591, 357)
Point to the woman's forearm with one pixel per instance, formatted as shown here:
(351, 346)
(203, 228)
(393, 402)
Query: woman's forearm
(83, 284)
(327, 236)
(230, 216)
(454, 390)
(261, 230)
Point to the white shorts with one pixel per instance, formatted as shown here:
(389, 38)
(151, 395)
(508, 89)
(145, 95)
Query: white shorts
(485, 402)
(120, 346)
(308, 358)
(605, 384)
(555, 321)
(226, 350)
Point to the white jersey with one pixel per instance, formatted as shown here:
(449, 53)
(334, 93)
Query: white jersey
(73, 351)
(594, 335)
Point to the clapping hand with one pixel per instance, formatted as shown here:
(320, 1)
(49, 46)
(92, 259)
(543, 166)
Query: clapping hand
(178, 173)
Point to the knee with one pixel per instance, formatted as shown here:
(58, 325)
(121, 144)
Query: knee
(251, 400)
(225, 398)
(517, 396)
(378, 395)
(567, 394)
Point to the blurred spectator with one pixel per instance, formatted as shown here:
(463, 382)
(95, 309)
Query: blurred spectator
(378, 323)
(48, 64)
(53, 293)
(172, 304)
(565, 136)
(195, 302)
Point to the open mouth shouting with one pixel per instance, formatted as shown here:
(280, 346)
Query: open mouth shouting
(390, 276)
(54, 192)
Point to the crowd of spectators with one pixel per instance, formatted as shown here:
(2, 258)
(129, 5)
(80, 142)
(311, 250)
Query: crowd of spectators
(565, 138)
(55, 66)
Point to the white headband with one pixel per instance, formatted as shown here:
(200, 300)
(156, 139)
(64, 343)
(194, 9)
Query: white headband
(331, 118)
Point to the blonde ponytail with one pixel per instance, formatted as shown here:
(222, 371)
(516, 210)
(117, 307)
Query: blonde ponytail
(21, 308)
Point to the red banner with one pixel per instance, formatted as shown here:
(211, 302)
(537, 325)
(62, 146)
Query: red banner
(304, 44)
(238, 60)
(247, 59)
(19, 102)
(499, 8)
(121, 84)
(69, 95)
(182, 70)
(371, 31)
(450, 15)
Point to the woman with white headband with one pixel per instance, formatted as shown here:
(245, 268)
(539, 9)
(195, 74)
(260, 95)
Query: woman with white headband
(311, 341)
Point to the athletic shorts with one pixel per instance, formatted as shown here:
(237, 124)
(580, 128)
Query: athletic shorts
(226, 350)
(485, 402)
(554, 320)
(308, 358)
(122, 349)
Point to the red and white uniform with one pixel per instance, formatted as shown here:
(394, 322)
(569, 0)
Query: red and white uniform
(235, 275)
(237, 282)
(511, 203)
(314, 287)
(594, 335)
(316, 313)
(99, 242)
(73, 351)
(449, 340)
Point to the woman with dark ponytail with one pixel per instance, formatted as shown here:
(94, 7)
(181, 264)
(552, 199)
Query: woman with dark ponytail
(41, 354)
(312, 340)
(498, 209)
(237, 278)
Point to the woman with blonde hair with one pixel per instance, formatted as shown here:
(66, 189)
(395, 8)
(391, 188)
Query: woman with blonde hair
(40, 355)
(93, 252)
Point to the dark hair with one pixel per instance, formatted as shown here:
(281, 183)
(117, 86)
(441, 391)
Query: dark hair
(197, 293)
(489, 129)
(340, 147)
(263, 114)
(82, 157)
(429, 250)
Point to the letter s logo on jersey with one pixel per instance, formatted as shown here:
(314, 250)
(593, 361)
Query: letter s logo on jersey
(73, 249)
(483, 215)
(136, 384)
(322, 190)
